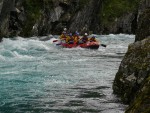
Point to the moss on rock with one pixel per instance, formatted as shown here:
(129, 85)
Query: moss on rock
(132, 81)
(32, 10)
(143, 25)
(113, 9)
(133, 70)
(141, 103)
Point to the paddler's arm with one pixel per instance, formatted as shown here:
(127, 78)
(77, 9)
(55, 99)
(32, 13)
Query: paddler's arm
(60, 37)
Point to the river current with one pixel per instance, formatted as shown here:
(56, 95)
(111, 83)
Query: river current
(39, 77)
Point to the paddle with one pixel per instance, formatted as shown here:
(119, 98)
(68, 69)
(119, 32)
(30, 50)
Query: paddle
(55, 40)
(103, 45)
(58, 40)
(57, 43)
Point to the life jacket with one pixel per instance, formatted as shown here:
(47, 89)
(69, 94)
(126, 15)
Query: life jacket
(67, 39)
(63, 37)
(70, 39)
(84, 39)
(76, 38)
(92, 40)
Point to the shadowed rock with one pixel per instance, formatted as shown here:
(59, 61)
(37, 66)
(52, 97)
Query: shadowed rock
(133, 77)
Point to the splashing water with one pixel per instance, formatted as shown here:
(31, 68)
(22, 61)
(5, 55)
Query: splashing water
(39, 77)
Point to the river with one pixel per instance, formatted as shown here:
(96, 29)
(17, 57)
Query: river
(38, 77)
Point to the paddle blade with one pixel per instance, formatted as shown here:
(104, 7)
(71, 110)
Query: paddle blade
(58, 44)
(55, 40)
(103, 45)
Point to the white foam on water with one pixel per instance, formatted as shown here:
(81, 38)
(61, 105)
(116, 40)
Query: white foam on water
(11, 72)
(51, 41)
(60, 71)
(2, 58)
(17, 55)
(25, 45)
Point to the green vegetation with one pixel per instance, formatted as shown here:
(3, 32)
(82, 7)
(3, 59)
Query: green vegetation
(82, 3)
(34, 9)
(112, 9)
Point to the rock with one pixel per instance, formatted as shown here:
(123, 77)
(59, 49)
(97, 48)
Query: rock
(127, 23)
(5, 8)
(144, 4)
(87, 19)
(141, 102)
(56, 14)
(133, 70)
(119, 17)
(132, 80)
(29, 18)
(143, 30)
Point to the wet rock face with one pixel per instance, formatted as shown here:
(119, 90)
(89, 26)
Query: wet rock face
(87, 19)
(144, 4)
(143, 30)
(133, 77)
(134, 69)
(78, 15)
(42, 17)
(141, 103)
(1, 4)
(5, 7)
(124, 24)
(16, 20)
(12, 16)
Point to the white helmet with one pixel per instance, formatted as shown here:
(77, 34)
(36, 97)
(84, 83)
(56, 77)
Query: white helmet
(65, 29)
(86, 34)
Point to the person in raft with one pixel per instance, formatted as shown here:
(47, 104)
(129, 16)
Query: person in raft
(76, 37)
(65, 30)
(70, 39)
(84, 39)
(63, 36)
(93, 39)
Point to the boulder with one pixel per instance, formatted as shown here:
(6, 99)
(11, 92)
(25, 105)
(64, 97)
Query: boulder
(134, 69)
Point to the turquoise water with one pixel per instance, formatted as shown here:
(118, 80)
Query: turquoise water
(38, 77)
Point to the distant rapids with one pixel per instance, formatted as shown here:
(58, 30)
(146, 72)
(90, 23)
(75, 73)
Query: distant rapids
(39, 77)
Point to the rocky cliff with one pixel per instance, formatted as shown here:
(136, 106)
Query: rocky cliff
(134, 68)
(5, 7)
(143, 20)
(119, 16)
(133, 77)
(41, 17)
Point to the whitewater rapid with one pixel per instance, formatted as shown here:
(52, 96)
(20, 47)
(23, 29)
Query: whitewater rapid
(37, 76)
